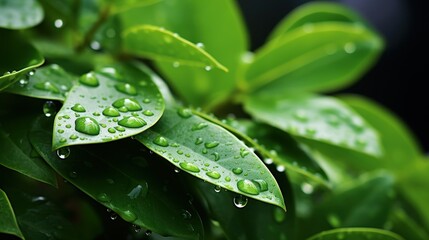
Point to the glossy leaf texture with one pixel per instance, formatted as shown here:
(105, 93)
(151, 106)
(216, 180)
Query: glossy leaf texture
(114, 102)
(326, 57)
(16, 151)
(280, 149)
(8, 223)
(130, 182)
(20, 14)
(316, 12)
(49, 82)
(224, 37)
(159, 44)
(13, 66)
(357, 234)
(209, 152)
(322, 119)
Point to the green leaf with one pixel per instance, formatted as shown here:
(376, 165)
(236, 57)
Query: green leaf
(322, 119)
(159, 44)
(114, 102)
(49, 82)
(16, 151)
(18, 58)
(356, 234)
(209, 152)
(8, 222)
(328, 57)
(20, 14)
(280, 149)
(315, 12)
(406, 226)
(130, 182)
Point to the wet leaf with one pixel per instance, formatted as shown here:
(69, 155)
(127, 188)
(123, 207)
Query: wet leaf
(20, 14)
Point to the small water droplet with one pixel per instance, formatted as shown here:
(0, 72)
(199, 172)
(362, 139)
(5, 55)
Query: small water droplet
(78, 108)
(248, 187)
(161, 141)
(58, 23)
(63, 153)
(176, 64)
(23, 81)
(136, 228)
(189, 167)
(237, 170)
(126, 88)
(301, 116)
(129, 104)
(103, 197)
(200, 45)
(227, 178)
(38, 199)
(184, 112)
(132, 122)
(212, 144)
(113, 216)
(95, 45)
(243, 152)
(73, 137)
(280, 168)
(307, 188)
(47, 86)
(49, 108)
(213, 174)
(247, 57)
(216, 156)
(186, 214)
(60, 131)
(199, 126)
(148, 113)
(240, 201)
(148, 233)
(208, 68)
(310, 131)
(68, 126)
(87, 125)
(146, 100)
(89, 79)
(128, 215)
(217, 188)
(350, 47)
(120, 129)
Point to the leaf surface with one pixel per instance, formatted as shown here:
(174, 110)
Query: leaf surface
(20, 14)
(8, 223)
(356, 234)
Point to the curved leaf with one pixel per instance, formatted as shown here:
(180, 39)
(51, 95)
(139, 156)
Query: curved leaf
(50, 82)
(111, 103)
(316, 12)
(20, 14)
(321, 119)
(18, 58)
(128, 181)
(407, 226)
(8, 222)
(159, 44)
(325, 58)
(356, 234)
(209, 152)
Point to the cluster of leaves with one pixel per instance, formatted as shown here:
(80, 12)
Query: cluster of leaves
(98, 128)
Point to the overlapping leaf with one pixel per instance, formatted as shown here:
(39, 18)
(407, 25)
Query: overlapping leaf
(20, 14)
(111, 103)
(357, 234)
(8, 223)
(209, 152)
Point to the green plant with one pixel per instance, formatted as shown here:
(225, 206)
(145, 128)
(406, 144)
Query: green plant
(99, 128)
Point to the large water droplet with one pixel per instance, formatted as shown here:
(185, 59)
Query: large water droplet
(89, 79)
(184, 112)
(63, 153)
(212, 144)
(240, 201)
(248, 187)
(58, 23)
(213, 174)
(129, 103)
(263, 185)
(237, 170)
(87, 125)
(161, 141)
(132, 122)
(126, 88)
(47, 86)
(78, 108)
(49, 108)
(111, 112)
(128, 216)
(279, 215)
(189, 167)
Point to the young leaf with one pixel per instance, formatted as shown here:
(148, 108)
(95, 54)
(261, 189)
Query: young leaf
(131, 183)
(321, 119)
(159, 44)
(356, 234)
(111, 103)
(20, 14)
(18, 58)
(207, 151)
(325, 58)
(49, 82)
(8, 222)
(315, 12)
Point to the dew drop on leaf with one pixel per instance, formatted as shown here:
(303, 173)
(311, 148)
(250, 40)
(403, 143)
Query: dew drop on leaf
(213, 174)
(184, 112)
(350, 47)
(248, 186)
(237, 170)
(217, 188)
(47, 86)
(78, 108)
(132, 122)
(128, 216)
(161, 141)
(240, 201)
(103, 197)
(89, 79)
(148, 113)
(63, 153)
(212, 144)
(128, 103)
(126, 88)
(49, 108)
(190, 167)
(87, 125)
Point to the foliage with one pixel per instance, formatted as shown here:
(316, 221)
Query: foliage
(245, 145)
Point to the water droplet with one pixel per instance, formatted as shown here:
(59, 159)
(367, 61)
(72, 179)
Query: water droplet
(60, 131)
(227, 178)
(47, 86)
(103, 197)
(113, 216)
(248, 57)
(263, 185)
(357, 123)
(237, 170)
(23, 81)
(126, 88)
(58, 23)
(111, 112)
(310, 131)
(208, 68)
(135, 192)
(161, 141)
(200, 45)
(120, 129)
(89, 79)
(87, 125)
(148, 113)
(248, 187)
(176, 170)
(350, 47)
(73, 137)
(68, 126)
(95, 45)
(176, 64)
(217, 188)
(111, 130)
(184, 112)
(129, 103)
(334, 220)
(186, 214)
(63, 140)
(279, 215)
(63, 153)
(128, 216)
(136, 228)
(213, 174)
(243, 152)
(240, 201)
(199, 126)
(73, 174)
(280, 168)
(301, 116)
(360, 142)
(49, 108)
(146, 100)
(268, 161)
(78, 108)
(132, 122)
(148, 233)
(212, 144)
(307, 188)
(216, 156)
(189, 167)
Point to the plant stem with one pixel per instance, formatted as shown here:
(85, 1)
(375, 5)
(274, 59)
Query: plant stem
(104, 14)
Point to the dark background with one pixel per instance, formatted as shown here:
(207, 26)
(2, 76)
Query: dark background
(398, 80)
